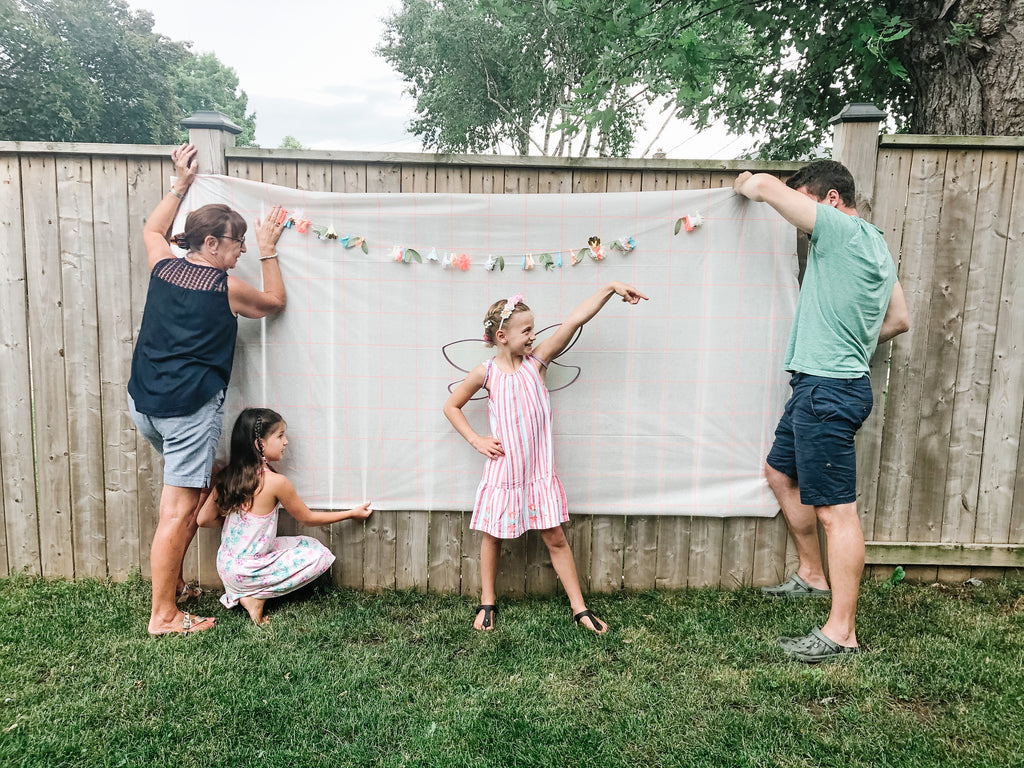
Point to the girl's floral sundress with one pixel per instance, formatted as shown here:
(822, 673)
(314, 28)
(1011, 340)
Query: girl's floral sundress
(253, 561)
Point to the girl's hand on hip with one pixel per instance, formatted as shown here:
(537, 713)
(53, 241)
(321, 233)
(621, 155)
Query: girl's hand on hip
(489, 447)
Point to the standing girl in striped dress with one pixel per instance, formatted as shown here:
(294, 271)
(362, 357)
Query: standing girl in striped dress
(520, 490)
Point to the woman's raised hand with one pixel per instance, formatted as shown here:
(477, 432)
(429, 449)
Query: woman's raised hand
(186, 166)
(268, 231)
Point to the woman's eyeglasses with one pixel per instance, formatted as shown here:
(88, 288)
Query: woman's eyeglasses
(239, 240)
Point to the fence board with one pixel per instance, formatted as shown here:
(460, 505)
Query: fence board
(706, 537)
(46, 352)
(657, 181)
(974, 367)
(145, 190)
(692, 179)
(903, 404)
(554, 182)
(892, 178)
(470, 568)
(540, 574)
(348, 178)
(521, 181)
(412, 533)
(17, 470)
(607, 541)
(640, 553)
(379, 551)
(589, 181)
(623, 181)
(283, 173)
(672, 569)
(770, 551)
(445, 552)
(347, 540)
(316, 177)
(453, 180)
(5, 567)
(511, 581)
(1001, 462)
(384, 178)
(418, 178)
(245, 169)
(738, 552)
(486, 181)
(577, 532)
(81, 365)
(953, 257)
(114, 294)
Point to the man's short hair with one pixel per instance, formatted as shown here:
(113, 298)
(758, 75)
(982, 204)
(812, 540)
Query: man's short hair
(821, 176)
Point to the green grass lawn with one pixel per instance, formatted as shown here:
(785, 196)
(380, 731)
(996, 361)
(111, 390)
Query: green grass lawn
(340, 678)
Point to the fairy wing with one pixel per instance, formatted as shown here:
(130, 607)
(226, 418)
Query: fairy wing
(465, 354)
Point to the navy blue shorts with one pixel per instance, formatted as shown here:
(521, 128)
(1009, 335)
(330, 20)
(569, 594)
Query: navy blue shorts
(814, 439)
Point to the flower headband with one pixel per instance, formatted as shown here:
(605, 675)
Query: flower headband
(509, 308)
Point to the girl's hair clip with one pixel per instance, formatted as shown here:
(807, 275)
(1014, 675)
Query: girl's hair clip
(488, 323)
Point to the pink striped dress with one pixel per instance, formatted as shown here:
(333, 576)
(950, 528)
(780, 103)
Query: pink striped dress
(519, 491)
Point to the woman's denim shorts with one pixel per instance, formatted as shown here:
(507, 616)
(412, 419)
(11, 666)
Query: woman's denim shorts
(187, 443)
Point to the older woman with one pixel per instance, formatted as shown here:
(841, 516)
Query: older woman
(182, 364)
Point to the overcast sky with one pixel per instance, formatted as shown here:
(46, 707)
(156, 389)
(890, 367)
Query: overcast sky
(309, 70)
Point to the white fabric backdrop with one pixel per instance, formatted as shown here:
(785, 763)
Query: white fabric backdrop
(674, 409)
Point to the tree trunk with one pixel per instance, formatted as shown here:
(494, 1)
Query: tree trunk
(965, 60)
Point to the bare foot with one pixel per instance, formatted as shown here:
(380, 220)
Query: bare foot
(254, 605)
(586, 618)
(183, 624)
(485, 617)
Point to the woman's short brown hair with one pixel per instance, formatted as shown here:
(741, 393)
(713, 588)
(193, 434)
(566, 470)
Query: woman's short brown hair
(214, 219)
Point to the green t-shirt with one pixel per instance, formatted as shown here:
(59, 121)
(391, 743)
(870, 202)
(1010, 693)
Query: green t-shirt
(843, 297)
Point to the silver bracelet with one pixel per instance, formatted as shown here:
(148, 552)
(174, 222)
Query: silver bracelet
(271, 256)
(177, 194)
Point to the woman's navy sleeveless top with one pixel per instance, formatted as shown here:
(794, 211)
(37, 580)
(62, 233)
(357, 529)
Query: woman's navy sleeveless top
(186, 344)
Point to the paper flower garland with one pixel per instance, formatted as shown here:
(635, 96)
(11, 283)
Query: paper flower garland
(527, 261)
(303, 225)
(689, 222)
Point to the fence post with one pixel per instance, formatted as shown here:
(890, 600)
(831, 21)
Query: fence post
(212, 133)
(855, 145)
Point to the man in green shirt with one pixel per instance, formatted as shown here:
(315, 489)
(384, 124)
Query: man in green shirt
(849, 302)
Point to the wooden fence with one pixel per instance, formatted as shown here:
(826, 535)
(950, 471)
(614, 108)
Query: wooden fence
(938, 459)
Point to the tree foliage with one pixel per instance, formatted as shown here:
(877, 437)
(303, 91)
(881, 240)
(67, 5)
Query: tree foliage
(94, 71)
(203, 82)
(490, 72)
(485, 71)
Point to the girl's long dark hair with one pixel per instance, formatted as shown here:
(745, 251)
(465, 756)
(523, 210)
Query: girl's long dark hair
(238, 482)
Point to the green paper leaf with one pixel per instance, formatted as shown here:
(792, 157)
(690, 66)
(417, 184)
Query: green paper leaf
(679, 224)
(362, 245)
(411, 253)
(501, 263)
